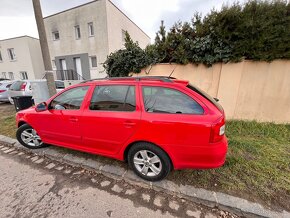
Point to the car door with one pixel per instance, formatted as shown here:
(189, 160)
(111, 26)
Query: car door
(60, 123)
(173, 119)
(111, 118)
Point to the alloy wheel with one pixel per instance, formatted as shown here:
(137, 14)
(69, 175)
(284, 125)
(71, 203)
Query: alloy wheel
(147, 163)
(31, 138)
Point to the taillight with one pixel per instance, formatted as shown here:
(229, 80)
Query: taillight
(2, 91)
(22, 87)
(217, 131)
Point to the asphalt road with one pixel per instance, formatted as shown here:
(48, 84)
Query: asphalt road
(34, 186)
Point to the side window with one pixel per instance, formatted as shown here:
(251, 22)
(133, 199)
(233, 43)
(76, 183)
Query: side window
(166, 100)
(69, 100)
(113, 98)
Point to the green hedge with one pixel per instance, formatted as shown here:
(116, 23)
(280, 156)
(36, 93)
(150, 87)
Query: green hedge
(257, 30)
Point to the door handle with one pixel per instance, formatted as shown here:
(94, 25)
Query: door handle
(73, 119)
(129, 124)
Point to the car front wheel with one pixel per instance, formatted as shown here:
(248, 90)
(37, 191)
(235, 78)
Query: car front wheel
(149, 161)
(28, 137)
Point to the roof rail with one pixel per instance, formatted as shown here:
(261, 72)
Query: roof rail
(138, 78)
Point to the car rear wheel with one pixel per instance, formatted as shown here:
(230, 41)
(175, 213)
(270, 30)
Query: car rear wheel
(149, 161)
(28, 137)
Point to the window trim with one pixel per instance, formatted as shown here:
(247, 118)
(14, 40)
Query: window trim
(23, 72)
(91, 64)
(78, 34)
(107, 111)
(91, 29)
(14, 58)
(83, 104)
(178, 90)
(53, 35)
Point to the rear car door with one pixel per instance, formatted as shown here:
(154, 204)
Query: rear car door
(174, 120)
(111, 118)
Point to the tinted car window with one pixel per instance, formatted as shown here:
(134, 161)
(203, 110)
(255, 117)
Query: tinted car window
(205, 95)
(166, 100)
(69, 100)
(113, 98)
(59, 84)
(16, 86)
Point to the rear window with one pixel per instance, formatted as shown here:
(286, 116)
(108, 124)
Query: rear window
(16, 86)
(205, 95)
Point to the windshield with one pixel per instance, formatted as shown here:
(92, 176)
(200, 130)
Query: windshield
(205, 95)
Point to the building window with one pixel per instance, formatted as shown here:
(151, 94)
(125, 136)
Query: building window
(123, 35)
(11, 54)
(53, 64)
(78, 32)
(10, 75)
(94, 61)
(91, 29)
(4, 75)
(55, 35)
(1, 57)
(23, 75)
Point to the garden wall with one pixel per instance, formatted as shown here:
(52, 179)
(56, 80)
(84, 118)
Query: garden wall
(247, 90)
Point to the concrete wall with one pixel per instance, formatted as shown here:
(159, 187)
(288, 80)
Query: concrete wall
(118, 21)
(28, 57)
(247, 90)
(65, 22)
(108, 22)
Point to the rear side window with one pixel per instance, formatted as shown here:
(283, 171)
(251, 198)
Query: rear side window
(16, 86)
(167, 100)
(113, 98)
(205, 95)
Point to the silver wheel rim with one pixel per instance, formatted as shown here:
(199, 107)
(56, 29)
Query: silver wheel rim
(147, 163)
(31, 138)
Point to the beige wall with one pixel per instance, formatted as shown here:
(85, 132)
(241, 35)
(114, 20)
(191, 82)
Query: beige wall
(28, 57)
(247, 90)
(118, 21)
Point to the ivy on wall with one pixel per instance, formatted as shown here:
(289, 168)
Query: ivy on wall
(257, 30)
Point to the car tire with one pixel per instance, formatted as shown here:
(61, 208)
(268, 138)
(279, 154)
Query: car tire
(28, 137)
(149, 161)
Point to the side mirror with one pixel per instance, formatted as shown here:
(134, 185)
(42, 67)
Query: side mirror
(41, 107)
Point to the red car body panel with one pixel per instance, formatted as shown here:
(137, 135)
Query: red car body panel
(184, 137)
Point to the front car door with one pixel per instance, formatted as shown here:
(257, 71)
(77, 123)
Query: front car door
(111, 118)
(60, 123)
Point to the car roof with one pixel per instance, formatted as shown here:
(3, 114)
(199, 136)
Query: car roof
(141, 79)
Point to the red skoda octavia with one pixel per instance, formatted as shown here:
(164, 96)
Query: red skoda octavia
(155, 123)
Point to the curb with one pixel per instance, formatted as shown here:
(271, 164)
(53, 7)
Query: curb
(220, 200)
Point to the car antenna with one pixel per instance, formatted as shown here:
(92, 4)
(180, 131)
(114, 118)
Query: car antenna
(172, 72)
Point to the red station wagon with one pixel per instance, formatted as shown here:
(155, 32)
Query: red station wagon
(155, 123)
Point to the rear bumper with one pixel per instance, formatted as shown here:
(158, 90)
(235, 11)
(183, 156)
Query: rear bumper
(211, 156)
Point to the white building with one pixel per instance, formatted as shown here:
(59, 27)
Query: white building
(80, 38)
(20, 58)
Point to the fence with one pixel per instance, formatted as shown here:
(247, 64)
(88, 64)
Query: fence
(247, 90)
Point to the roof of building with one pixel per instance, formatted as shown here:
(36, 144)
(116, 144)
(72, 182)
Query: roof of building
(19, 37)
(91, 3)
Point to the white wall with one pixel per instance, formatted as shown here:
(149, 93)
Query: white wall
(28, 57)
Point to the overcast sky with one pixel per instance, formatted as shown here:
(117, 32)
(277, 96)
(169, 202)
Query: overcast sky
(17, 18)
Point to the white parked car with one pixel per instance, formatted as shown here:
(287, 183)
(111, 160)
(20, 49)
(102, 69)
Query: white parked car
(23, 88)
(4, 87)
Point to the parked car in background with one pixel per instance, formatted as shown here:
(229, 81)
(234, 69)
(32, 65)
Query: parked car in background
(4, 87)
(23, 88)
(156, 124)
